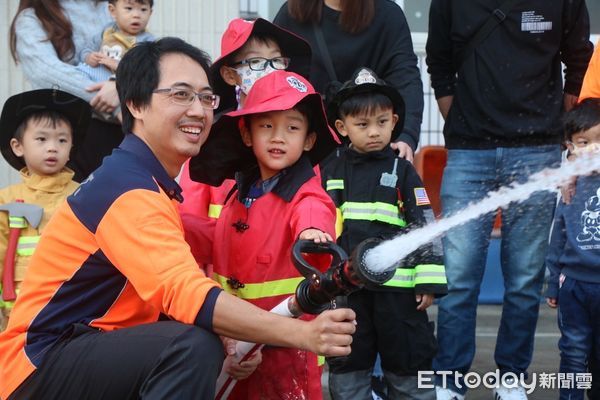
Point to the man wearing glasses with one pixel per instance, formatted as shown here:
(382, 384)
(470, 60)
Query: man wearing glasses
(114, 258)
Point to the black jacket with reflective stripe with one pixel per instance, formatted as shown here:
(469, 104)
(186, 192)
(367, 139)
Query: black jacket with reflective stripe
(362, 187)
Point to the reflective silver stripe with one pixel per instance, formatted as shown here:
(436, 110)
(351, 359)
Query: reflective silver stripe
(27, 244)
(376, 211)
(334, 184)
(17, 222)
(430, 274)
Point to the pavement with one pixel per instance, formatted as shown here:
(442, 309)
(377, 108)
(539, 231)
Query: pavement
(545, 358)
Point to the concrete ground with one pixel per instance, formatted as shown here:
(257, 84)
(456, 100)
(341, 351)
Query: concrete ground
(545, 357)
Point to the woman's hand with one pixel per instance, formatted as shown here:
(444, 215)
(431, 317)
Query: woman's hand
(404, 150)
(107, 98)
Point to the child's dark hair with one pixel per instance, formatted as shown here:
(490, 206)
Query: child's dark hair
(142, 2)
(260, 37)
(364, 103)
(582, 117)
(302, 107)
(52, 117)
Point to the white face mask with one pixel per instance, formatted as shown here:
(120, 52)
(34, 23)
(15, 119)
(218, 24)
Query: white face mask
(249, 77)
(590, 148)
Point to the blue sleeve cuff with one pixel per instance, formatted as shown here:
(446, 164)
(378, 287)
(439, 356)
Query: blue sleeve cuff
(552, 290)
(204, 319)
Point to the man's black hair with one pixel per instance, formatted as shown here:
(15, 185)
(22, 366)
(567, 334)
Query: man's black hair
(364, 103)
(142, 2)
(138, 73)
(582, 117)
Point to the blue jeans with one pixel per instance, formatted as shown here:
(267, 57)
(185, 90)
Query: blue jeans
(468, 177)
(579, 323)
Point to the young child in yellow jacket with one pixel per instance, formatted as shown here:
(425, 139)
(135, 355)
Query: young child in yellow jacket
(38, 132)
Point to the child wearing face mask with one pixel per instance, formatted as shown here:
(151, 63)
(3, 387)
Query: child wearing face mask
(574, 255)
(249, 51)
(129, 27)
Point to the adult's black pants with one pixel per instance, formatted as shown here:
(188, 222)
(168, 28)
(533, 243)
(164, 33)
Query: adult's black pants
(162, 360)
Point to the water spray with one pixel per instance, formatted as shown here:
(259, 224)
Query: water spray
(387, 255)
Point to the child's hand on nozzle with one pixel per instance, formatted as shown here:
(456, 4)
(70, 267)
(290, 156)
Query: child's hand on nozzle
(233, 367)
(315, 234)
(424, 300)
(552, 302)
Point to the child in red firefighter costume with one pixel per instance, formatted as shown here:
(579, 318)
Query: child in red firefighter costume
(271, 146)
(380, 195)
(249, 50)
(37, 132)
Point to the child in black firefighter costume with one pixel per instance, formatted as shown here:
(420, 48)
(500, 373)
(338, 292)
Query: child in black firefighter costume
(380, 195)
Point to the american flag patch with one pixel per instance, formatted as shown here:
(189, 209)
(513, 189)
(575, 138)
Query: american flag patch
(421, 197)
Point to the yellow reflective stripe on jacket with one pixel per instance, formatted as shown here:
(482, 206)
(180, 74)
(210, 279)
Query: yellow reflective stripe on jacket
(423, 274)
(430, 274)
(7, 304)
(404, 278)
(334, 184)
(259, 290)
(214, 210)
(339, 222)
(27, 244)
(17, 222)
(376, 211)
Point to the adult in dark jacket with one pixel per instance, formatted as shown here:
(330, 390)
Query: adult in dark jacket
(502, 103)
(362, 33)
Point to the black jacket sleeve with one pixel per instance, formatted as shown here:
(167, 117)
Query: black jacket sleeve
(404, 75)
(439, 49)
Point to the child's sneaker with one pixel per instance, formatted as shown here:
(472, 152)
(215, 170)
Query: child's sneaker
(447, 394)
(510, 393)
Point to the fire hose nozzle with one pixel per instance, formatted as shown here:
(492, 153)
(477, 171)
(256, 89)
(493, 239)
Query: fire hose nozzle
(344, 276)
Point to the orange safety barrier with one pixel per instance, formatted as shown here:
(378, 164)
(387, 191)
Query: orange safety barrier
(430, 162)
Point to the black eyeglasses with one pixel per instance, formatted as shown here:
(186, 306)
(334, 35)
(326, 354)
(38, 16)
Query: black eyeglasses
(260, 63)
(185, 97)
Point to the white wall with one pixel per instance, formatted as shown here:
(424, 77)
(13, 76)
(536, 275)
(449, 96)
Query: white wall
(200, 22)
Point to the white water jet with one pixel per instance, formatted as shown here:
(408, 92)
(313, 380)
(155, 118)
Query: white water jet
(386, 255)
